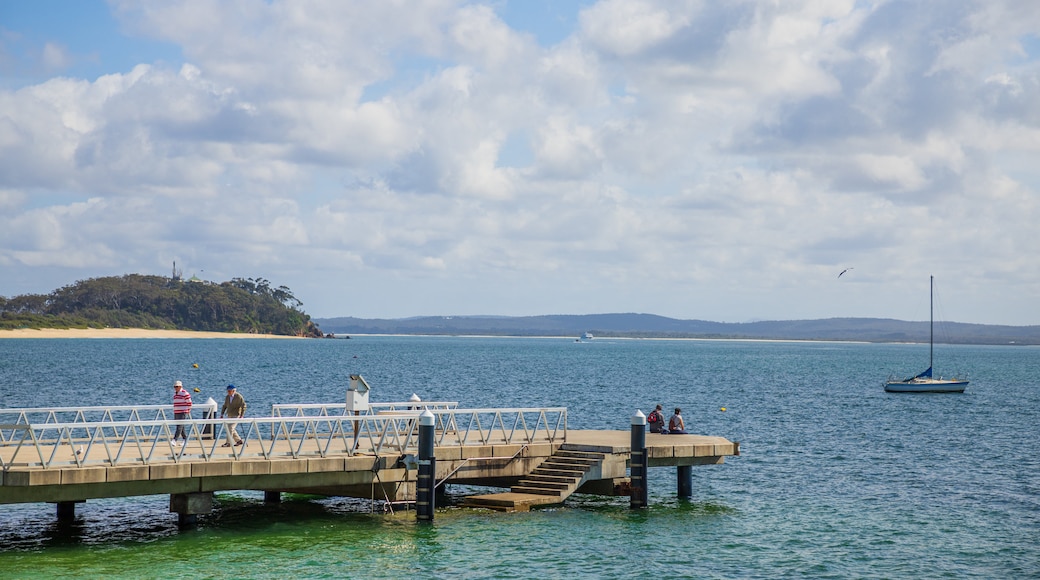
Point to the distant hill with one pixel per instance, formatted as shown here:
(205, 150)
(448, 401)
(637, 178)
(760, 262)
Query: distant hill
(632, 325)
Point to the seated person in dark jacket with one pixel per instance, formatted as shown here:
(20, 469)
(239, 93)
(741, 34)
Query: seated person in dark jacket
(655, 420)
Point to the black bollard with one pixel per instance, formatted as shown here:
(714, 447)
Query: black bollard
(639, 462)
(425, 498)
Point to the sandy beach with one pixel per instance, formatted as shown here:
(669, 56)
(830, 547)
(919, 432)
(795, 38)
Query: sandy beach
(124, 333)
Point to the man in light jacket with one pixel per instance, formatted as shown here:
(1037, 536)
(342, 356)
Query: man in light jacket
(234, 408)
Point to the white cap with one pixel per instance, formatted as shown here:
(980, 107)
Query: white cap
(639, 418)
(414, 398)
(426, 419)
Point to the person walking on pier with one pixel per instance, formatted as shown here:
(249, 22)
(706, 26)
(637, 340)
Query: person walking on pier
(656, 420)
(676, 425)
(234, 408)
(181, 410)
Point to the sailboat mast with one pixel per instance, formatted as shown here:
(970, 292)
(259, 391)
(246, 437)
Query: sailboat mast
(931, 319)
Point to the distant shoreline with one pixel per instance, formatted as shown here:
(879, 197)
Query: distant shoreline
(872, 330)
(124, 333)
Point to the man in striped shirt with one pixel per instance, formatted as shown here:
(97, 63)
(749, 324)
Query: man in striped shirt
(181, 410)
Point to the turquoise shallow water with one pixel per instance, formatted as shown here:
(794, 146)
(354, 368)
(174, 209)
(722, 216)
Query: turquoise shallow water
(836, 479)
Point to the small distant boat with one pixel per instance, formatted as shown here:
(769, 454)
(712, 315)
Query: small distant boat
(587, 336)
(925, 382)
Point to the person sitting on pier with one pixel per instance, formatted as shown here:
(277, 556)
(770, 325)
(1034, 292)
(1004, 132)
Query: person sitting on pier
(181, 410)
(676, 425)
(656, 420)
(235, 408)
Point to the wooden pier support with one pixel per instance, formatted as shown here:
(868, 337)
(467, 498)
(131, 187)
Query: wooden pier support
(684, 480)
(425, 496)
(639, 462)
(272, 497)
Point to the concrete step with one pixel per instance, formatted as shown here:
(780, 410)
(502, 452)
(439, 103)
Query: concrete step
(510, 502)
(524, 487)
(563, 453)
(553, 463)
(546, 478)
(536, 490)
(570, 473)
(538, 482)
(578, 460)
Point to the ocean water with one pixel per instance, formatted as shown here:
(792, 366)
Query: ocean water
(837, 479)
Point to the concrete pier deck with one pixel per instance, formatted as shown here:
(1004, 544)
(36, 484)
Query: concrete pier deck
(664, 450)
(387, 476)
(353, 449)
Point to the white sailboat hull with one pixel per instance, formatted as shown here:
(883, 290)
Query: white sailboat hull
(926, 386)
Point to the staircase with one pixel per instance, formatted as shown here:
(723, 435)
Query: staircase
(560, 475)
(553, 481)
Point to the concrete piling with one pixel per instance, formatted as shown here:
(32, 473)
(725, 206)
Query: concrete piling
(639, 462)
(189, 505)
(425, 497)
(684, 480)
(66, 510)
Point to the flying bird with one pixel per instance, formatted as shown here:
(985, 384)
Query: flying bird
(845, 270)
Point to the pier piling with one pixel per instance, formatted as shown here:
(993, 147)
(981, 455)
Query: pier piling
(639, 462)
(66, 510)
(425, 498)
(684, 480)
(189, 505)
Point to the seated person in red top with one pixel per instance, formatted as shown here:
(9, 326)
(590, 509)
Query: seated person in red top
(676, 425)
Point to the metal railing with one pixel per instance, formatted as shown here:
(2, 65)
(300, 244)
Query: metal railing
(340, 409)
(109, 413)
(99, 414)
(111, 442)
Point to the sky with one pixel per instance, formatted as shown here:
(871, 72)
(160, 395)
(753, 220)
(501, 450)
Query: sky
(719, 161)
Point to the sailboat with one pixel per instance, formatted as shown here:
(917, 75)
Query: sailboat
(926, 382)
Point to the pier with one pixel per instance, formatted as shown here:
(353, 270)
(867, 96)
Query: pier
(373, 451)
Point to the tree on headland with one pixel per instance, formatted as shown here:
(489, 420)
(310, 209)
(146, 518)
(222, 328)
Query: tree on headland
(245, 305)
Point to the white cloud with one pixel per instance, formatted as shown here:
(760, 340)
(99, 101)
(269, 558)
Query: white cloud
(626, 27)
(692, 159)
(566, 150)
